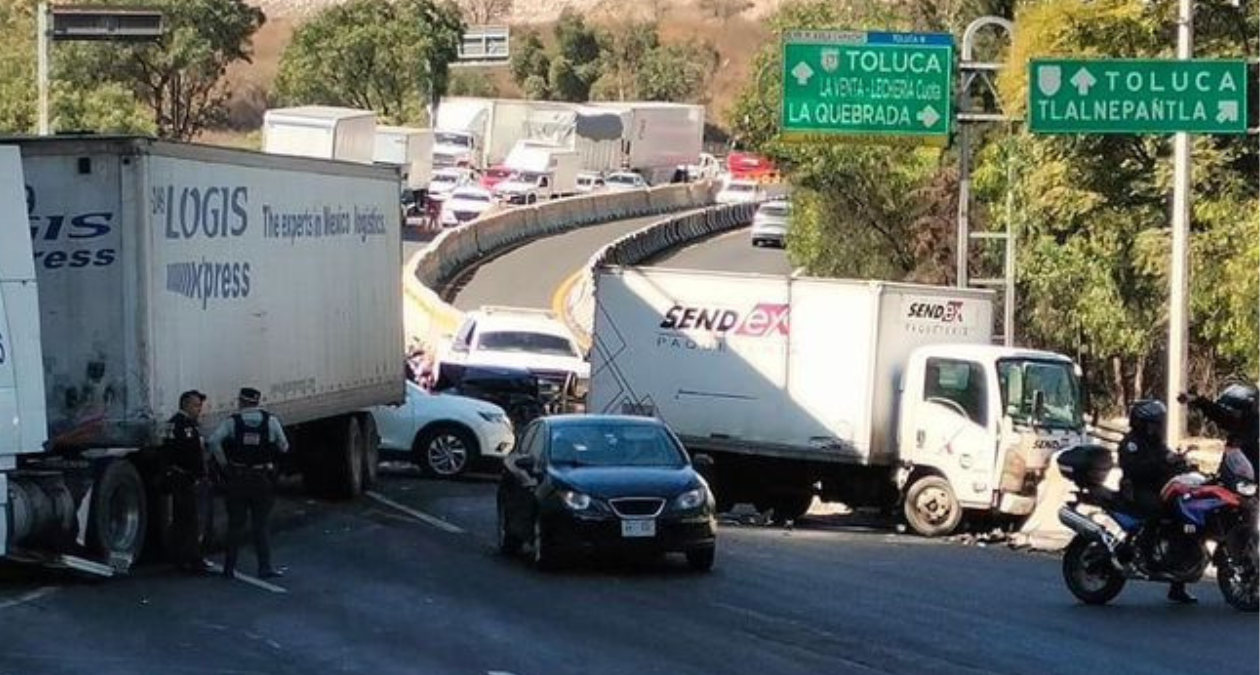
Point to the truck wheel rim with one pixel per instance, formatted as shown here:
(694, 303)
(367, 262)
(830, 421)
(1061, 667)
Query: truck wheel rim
(934, 504)
(124, 519)
(447, 455)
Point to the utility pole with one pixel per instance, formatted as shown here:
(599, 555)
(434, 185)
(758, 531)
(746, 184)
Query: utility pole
(1178, 302)
(41, 44)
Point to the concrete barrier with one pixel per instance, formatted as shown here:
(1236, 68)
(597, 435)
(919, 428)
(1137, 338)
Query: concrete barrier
(428, 317)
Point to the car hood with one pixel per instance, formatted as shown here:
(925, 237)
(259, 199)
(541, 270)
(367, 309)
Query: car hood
(627, 481)
(515, 186)
(530, 361)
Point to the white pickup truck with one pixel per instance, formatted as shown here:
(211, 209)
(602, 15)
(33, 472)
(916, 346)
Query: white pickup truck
(864, 392)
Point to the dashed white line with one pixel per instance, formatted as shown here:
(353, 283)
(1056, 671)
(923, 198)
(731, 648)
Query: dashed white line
(29, 596)
(418, 515)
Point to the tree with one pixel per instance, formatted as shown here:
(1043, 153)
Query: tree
(483, 12)
(373, 54)
(725, 10)
(624, 48)
(530, 65)
(675, 72)
(568, 73)
(472, 83)
(1093, 212)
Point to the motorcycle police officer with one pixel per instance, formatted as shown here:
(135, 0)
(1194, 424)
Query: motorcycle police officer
(1147, 464)
(246, 446)
(187, 477)
(1237, 412)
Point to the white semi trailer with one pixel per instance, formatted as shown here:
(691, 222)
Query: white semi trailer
(133, 269)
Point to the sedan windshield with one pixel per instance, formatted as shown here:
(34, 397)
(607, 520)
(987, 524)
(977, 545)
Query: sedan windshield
(613, 444)
(622, 179)
(521, 341)
(472, 196)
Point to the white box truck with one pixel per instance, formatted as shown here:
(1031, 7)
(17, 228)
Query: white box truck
(539, 171)
(323, 132)
(132, 270)
(410, 149)
(864, 392)
(599, 135)
(480, 132)
(662, 137)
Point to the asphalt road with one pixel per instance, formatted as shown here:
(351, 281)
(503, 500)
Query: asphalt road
(529, 275)
(729, 252)
(372, 588)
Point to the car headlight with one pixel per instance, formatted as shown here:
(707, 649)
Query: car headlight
(576, 501)
(692, 499)
(1247, 489)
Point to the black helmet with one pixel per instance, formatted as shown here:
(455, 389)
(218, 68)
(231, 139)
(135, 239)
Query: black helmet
(1239, 399)
(1148, 418)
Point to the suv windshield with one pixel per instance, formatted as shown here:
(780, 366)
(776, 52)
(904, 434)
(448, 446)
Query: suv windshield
(521, 341)
(452, 139)
(1046, 393)
(774, 210)
(613, 444)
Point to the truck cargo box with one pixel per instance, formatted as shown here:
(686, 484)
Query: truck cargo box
(324, 132)
(796, 367)
(164, 267)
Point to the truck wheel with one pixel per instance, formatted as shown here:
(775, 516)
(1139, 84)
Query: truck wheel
(371, 451)
(531, 199)
(931, 509)
(117, 516)
(348, 452)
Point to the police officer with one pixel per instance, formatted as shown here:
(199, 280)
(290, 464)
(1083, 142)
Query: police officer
(1148, 464)
(247, 446)
(187, 477)
(1237, 412)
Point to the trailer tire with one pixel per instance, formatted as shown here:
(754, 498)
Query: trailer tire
(347, 453)
(371, 450)
(930, 508)
(117, 516)
(791, 507)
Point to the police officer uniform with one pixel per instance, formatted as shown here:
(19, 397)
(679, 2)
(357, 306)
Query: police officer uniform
(247, 446)
(186, 476)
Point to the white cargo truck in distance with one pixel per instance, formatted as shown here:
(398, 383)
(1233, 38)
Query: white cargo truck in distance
(539, 171)
(132, 270)
(408, 148)
(322, 132)
(864, 392)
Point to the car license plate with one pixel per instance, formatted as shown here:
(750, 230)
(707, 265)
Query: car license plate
(638, 528)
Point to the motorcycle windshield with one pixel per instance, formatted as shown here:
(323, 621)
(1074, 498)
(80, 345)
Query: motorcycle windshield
(1041, 393)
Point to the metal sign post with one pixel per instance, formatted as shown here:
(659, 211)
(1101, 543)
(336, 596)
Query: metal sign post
(79, 23)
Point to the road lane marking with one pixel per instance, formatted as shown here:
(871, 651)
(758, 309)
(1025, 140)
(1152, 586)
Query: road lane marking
(252, 581)
(560, 306)
(30, 596)
(418, 515)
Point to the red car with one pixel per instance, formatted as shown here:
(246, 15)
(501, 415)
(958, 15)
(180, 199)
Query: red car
(494, 175)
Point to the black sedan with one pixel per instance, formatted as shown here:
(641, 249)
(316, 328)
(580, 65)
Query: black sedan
(590, 483)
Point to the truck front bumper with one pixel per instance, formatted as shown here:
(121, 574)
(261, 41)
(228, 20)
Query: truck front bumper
(1017, 505)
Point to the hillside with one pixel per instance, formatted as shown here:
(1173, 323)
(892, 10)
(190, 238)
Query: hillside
(736, 37)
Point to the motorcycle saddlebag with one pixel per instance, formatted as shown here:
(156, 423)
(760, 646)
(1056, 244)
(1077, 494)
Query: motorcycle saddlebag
(1086, 465)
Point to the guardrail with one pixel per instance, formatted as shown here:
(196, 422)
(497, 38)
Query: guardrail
(427, 315)
(645, 244)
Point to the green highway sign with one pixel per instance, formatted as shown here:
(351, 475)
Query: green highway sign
(1122, 96)
(867, 84)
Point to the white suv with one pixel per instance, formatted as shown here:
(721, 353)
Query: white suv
(532, 339)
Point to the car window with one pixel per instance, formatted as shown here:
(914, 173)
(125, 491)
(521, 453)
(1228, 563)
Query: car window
(612, 444)
(774, 210)
(741, 187)
(529, 441)
(472, 196)
(523, 341)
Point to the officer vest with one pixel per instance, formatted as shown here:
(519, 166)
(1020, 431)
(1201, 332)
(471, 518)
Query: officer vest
(250, 445)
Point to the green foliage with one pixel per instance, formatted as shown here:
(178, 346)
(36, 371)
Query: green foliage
(1093, 211)
(569, 72)
(382, 55)
(173, 87)
(465, 82)
(677, 72)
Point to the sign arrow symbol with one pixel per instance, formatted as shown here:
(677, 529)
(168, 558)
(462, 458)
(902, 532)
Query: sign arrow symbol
(802, 72)
(928, 116)
(1226, 111)
(1083, 80)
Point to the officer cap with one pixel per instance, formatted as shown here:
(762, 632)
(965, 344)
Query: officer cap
(250, 396)
(191, 394)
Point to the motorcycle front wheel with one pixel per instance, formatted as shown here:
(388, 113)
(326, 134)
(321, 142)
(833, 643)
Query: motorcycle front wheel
(1088, 571)
(1236, 575)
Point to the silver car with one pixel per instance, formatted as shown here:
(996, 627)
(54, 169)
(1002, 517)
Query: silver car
(770, 224)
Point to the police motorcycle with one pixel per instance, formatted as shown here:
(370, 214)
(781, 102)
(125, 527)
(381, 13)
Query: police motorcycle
(1211, 519)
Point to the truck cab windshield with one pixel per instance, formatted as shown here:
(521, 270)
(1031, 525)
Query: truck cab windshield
(1043, 393)
(452, 139)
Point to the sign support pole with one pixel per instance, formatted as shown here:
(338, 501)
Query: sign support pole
(41, 45)
(1178, 326)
